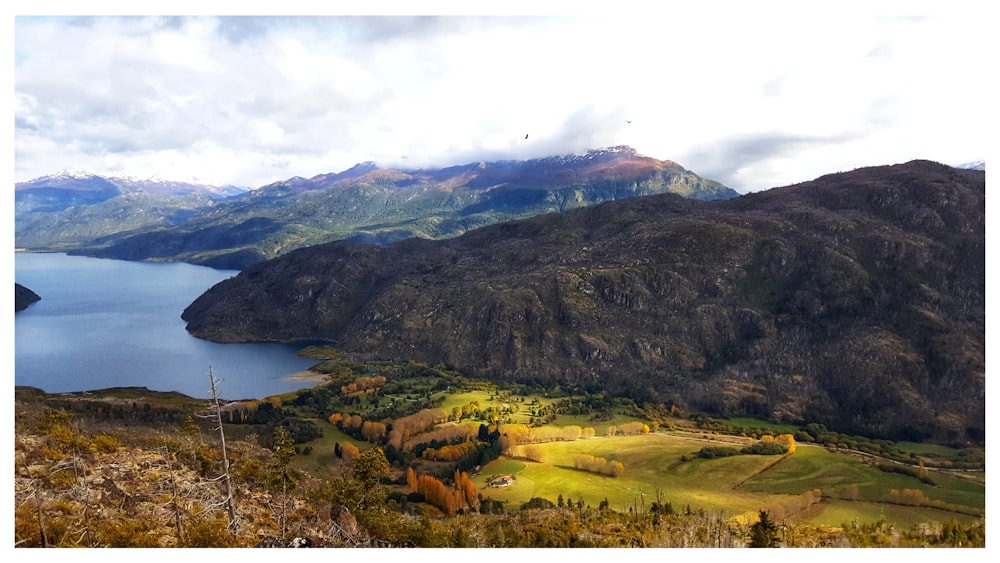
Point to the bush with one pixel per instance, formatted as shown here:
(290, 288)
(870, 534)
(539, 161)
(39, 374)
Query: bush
(208, 532)
(106, 444)
(126, 533)
(772, 448)
(716, 451)
(537, 502)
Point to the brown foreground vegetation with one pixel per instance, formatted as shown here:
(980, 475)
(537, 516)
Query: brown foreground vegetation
(80, 482)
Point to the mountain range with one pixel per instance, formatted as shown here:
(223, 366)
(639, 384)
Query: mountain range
(856, 300)
(232, 228)
(68, 210)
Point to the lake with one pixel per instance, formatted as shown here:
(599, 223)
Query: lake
(112, 323)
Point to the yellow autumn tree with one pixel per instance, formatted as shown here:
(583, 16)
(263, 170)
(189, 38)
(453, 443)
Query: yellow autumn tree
(350, 451)
(464, 484)
(411, 480)
(786, 440)
(533, 452)
(373, 431)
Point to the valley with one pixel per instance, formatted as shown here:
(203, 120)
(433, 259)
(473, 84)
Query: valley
(471, 435)
(854, 301)
(801, 367)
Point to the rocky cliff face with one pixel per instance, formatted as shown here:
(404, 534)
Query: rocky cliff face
(856, 300)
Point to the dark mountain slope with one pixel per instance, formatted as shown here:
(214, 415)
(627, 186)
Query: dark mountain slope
(856, 300)
(23, 297)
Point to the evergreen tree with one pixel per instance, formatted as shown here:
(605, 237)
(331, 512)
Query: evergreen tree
(764, 533)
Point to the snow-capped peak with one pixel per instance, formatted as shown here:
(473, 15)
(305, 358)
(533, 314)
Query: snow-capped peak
(69, 175)
(974, 165)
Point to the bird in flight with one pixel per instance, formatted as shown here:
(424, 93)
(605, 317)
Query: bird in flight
(525, 135)
(628, 121)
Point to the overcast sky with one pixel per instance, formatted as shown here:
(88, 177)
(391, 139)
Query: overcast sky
(749, 96)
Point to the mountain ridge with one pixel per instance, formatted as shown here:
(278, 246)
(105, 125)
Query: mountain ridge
(375, 205)
(855, 300)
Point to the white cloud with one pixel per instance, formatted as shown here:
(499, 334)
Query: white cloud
(746, 97)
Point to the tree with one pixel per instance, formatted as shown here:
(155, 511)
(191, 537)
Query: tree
(228, 500)
(411, 480)
(764, 533)
(370, 466)
(284, 451)
(348, 454)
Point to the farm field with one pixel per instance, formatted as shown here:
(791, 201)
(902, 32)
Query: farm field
(819, 483)
(812, 485)
(840, 512)
(651, 463)
(840, 475)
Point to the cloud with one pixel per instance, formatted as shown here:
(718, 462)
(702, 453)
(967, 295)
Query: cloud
(735, 161)
(751, 98)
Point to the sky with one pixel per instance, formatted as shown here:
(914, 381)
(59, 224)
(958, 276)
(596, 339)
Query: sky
(753, 95)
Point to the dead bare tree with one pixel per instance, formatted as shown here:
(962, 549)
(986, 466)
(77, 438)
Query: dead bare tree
(217, 414)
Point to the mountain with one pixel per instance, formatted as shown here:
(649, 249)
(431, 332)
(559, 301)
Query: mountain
(379, 206)
(23, 297)
(974, 165)
(856, 300)
(67, 188)
(70, 209)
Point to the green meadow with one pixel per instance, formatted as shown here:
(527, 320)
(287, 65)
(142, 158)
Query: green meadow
(843, 476)
(762, 425)
(840, 512)
(840, 486)
(814, 484)
(652, 467)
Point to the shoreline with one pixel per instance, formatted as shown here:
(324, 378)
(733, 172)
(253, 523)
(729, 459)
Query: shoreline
(307, 375)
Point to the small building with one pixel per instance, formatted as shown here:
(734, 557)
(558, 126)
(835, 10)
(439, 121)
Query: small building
(504, 481)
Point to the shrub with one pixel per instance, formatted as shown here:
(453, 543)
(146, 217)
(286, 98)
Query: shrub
(208, 532)
(126, 533)
(716, 451)
(105, 443)
(537, 502)
(769, 448)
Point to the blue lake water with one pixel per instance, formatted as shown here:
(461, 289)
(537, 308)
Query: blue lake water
(112, 323)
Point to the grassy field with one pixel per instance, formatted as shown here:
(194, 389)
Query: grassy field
(843, 476)
(814, 484)
(927, 449)
(600, 427)
(452, 400)
(848, 489)
(840, 512)
(753, 423)
(322, 460)
(651, 464)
